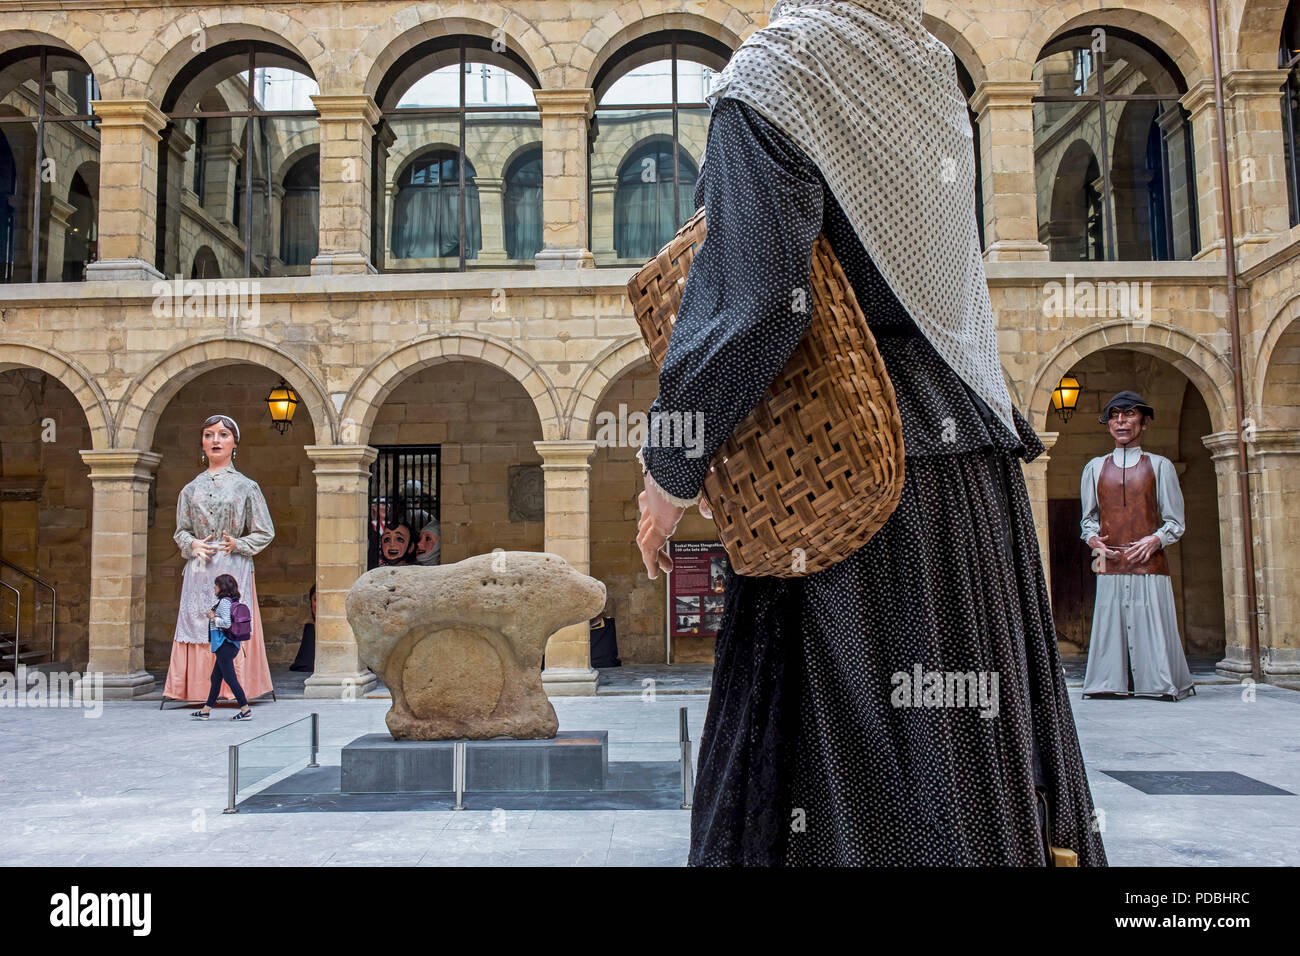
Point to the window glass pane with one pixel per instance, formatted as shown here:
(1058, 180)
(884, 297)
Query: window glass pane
(694, 80)
(1114, 174)
(422, 198)
(1067, 162)
(277, 88)
(649, 83)
(636, 204)
(17, 199)
(505, 152)
(300, 215)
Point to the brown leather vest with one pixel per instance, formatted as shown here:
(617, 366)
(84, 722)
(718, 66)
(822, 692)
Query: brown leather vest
(1127, 524)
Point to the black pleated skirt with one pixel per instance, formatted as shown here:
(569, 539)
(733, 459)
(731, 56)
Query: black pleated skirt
(816, 751)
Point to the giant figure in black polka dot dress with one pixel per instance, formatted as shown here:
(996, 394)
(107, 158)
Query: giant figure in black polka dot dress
(810, 755)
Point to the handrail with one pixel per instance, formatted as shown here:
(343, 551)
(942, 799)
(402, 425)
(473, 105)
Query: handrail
(18, 611)
(54, 602)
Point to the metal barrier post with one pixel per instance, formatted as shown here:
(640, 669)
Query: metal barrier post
(315, 739)
(232, 785)
(458, 773)
(688, 776)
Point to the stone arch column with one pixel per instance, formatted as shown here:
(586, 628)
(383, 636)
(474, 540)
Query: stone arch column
(129, 132)
(342, 482)
(566, 471)
(1005, 114)
(120, 480)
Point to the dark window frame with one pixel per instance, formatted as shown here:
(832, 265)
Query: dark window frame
(1098, 60)
(37, 122)
(242, 215)
(463, 44)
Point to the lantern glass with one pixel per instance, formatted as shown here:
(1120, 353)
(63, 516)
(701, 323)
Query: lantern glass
(282, 402)
(1066, 395)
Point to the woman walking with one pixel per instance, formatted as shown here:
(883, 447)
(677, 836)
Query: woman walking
(225, 649)
(845, 117)
(221, 522)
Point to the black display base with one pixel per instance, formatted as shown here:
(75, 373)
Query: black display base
(572, 760)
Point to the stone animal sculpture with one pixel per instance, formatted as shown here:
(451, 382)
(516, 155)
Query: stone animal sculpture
(460, 645)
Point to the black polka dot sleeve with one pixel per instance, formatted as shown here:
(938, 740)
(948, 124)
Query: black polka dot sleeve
(747, 299)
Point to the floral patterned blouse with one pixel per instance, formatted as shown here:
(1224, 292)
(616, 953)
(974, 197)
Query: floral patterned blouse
(223, 501)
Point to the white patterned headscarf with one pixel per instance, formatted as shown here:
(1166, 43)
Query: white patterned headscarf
(873, 99)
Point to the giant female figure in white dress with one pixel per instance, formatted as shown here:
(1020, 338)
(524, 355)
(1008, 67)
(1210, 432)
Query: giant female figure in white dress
(222, 521)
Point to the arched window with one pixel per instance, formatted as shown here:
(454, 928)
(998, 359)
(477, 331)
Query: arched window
(1288, 58)
(49, 166)
(426, 213)
(523, 206)
(651, 203)
(205, 265)
(235, 114)
(455, 114)
(651, 126)
(1111, 101)
(300, 214)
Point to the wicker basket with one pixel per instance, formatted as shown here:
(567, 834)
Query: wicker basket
(815, 470)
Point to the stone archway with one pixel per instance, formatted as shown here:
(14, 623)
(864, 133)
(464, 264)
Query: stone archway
(155, 387)
(73, 376)
(279, 463)
(1183, 420)
(367, 395)
(46, 506)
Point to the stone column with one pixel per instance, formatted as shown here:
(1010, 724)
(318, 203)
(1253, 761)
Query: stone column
(1006, 119)
(1276, 458)
(1199, 103)
(347, 124)
(342, 483)
(1236, 624)
(119, 480)
(567, 475)
(128, 189)
(1036, 486)
(565, 115)
(1261, 212)
(491, 204)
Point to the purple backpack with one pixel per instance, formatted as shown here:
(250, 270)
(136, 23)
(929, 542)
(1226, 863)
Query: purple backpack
(241, 622)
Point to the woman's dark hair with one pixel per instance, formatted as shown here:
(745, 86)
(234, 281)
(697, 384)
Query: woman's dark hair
(227, 587)
(312, 593)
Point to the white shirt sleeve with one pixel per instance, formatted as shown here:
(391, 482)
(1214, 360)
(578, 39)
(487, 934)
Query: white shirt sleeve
(1091, 523)
(1169, 498)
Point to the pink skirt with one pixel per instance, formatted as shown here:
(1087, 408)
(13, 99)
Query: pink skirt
(189, 675)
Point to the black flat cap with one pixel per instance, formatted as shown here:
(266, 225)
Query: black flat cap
(1127, 399)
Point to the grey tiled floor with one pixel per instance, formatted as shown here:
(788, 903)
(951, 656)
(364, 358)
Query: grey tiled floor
(136, 786)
